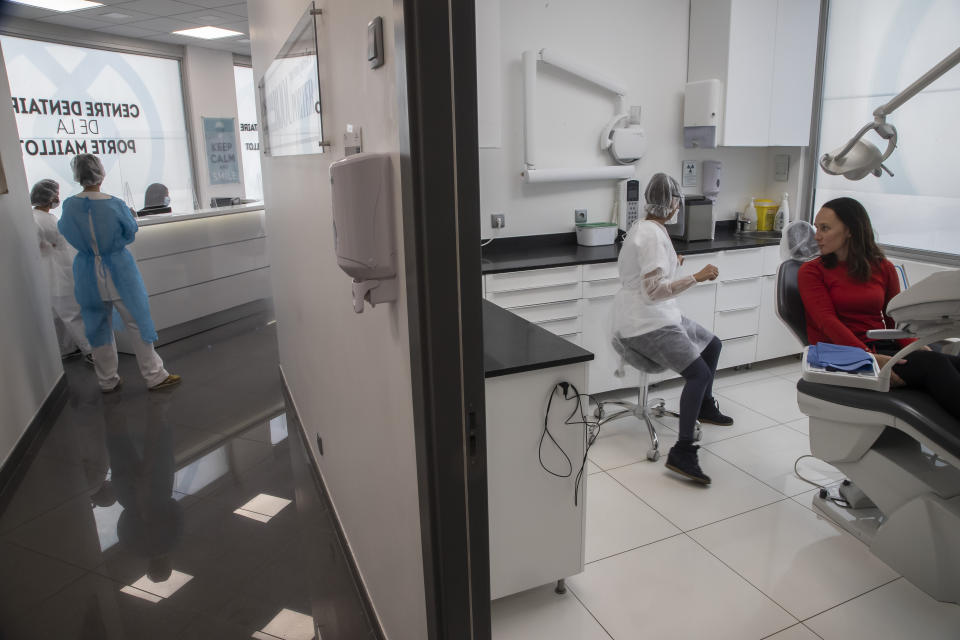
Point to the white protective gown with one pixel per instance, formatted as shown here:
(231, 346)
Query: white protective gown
(57, 259)
(646, 316)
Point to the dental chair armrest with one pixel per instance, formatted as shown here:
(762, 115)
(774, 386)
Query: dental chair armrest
(889, 334)
(919, 343)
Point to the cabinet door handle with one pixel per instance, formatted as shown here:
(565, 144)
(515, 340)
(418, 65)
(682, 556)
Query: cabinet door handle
(564, 319)
(737, 309)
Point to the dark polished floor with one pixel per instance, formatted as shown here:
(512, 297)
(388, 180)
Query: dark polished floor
(134, 517)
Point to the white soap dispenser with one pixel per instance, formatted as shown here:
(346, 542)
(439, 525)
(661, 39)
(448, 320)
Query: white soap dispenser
(783, 214)
(750, 215)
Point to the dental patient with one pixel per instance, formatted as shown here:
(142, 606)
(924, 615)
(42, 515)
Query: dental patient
(845, 294)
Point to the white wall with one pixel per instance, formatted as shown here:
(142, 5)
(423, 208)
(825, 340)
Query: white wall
(210, 92)
(349, 374)
(28, 343)
(642, 44)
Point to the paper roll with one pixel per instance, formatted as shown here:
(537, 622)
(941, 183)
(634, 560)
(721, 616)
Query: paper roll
(572, 175)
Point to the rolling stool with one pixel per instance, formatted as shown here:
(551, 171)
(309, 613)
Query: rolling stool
(646, 407)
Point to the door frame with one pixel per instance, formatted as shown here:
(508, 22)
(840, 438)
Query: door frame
(437, 90)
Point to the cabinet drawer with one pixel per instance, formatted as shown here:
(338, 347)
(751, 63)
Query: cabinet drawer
(516, 280)
(737, 351)
(739, 294)
(602, 271)
(771, 260)
(540, 295)
(600, 288)
(562, 327)
(692, 264)
(740, 264)
(550, 311)
(736, 324)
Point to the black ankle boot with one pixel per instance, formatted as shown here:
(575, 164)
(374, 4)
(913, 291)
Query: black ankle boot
(710, 413)
(683, 459)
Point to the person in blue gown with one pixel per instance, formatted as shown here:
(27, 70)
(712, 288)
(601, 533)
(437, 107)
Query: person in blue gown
(100, 226)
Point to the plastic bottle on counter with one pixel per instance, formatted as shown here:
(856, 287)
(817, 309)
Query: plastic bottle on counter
(783, 214)
(750, 216)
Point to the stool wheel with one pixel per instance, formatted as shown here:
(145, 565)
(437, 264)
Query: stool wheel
(653, 455)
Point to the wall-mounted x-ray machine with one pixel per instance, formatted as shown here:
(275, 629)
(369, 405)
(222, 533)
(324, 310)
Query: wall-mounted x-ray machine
(622, 136)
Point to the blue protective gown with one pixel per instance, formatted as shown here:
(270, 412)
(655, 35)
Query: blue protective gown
(114, 227)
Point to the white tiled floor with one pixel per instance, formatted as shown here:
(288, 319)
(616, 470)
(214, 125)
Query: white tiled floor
(745, 558)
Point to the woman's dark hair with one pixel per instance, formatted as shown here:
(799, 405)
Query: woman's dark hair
(863, 254)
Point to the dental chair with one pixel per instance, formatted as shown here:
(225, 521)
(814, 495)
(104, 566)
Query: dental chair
(899, 449)
(645, 408)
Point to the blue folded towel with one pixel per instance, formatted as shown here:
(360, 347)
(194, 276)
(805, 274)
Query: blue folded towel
(838, 357)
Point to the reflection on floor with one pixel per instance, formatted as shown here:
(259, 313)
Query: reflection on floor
(187, 513)
(744, 559)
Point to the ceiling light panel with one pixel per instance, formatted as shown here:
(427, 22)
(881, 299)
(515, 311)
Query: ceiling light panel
(60, 5)
(208, 33)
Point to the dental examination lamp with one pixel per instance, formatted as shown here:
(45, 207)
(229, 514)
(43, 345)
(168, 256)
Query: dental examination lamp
(858, 157)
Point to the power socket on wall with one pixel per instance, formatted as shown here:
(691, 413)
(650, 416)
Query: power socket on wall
(579, 215)
(498, 220)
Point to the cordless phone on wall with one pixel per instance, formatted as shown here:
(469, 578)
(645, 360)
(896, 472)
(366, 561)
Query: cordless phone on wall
(629, 203)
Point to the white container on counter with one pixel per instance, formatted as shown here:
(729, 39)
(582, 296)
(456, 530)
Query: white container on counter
(595, 234)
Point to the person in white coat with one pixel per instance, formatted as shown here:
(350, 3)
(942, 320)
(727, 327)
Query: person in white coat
(57, 255)
(648, 322)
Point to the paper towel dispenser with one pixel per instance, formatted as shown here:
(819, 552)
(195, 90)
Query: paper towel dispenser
(701, 113)
(364, 209)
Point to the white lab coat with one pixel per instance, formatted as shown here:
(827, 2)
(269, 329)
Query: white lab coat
(57, 258)
(648, 274)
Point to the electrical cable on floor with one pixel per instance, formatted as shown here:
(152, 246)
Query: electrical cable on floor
(591, 431)
(824, 490)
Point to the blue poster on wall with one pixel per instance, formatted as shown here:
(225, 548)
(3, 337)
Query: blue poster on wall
(220, 140)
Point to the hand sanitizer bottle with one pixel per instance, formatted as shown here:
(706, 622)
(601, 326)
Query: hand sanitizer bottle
(750, 215)
(783, 214)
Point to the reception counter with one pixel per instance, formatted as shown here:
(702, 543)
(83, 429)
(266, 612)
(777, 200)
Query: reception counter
(202, 268)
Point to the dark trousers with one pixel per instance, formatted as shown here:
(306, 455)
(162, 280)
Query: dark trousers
(936, 373)
(698, 387)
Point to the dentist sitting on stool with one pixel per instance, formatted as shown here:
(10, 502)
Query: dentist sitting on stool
(100, 227)
(648, 321)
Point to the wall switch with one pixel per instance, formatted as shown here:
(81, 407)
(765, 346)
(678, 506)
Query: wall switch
(498, 221)
(579, 215)
(781, 167)
(689, 173)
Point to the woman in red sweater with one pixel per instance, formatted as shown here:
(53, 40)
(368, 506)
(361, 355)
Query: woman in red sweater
(845, 294)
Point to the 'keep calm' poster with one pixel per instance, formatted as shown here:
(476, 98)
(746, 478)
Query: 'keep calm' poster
(221, 143)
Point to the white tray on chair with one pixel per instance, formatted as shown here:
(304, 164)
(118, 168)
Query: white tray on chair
(841, 378)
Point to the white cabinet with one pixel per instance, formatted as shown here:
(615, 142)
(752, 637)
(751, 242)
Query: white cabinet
(536, 531)
(774, 339)
(596, 339)
(764, 53)
(699, 303)
(576, 303)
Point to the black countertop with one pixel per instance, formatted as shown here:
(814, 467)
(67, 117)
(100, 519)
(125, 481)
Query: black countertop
(561, 250)
(512, 345)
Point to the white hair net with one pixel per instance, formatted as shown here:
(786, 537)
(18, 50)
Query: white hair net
(87, 169)
(45, 193)
(661, 192)
(799, 242)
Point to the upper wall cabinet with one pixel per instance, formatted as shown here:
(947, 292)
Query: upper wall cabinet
(765, 53)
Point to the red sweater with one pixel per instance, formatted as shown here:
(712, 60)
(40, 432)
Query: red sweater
(840, 309)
